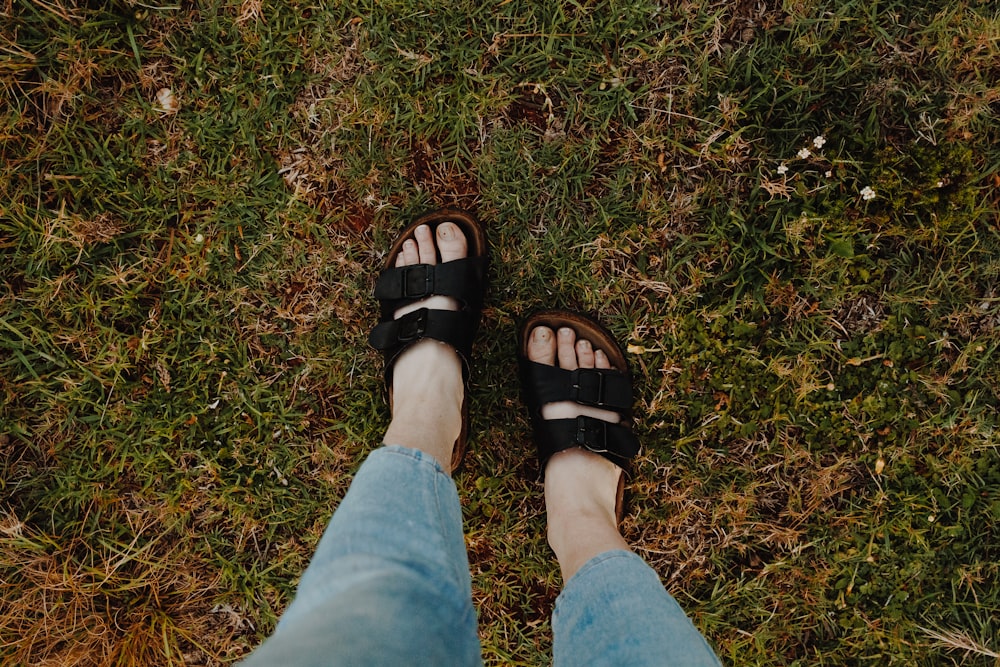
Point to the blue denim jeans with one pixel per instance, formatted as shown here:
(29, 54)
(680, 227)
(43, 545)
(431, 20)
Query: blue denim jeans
(390, 585)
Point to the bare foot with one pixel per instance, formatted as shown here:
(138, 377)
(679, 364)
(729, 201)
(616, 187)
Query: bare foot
(581, 488)
(427, 387)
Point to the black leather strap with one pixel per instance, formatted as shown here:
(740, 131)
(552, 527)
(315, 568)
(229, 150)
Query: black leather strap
(600, 388)
(454, 327)
(461, 279)
(608, 389)
(614, 442)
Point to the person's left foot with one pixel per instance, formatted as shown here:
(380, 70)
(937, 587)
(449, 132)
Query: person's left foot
(427, 387)
(575, 476)
(581, 487)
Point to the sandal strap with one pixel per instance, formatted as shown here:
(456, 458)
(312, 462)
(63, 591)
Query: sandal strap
(602, 388)
(461, 279)
(614, 442)
(457, 328)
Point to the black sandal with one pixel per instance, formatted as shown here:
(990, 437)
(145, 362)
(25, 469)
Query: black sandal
(464, 280)
(607, 389)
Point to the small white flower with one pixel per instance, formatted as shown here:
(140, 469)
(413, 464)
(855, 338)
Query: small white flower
(200, 238)
(940, 184)
(782, 169)
(829, 174)
(804, 153)
(819, 141)
(867, 193)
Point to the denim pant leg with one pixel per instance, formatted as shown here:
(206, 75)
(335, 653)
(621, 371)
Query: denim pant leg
(389, 583)
(615, 611)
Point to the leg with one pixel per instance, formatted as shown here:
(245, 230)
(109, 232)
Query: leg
(613, 609)
(390, 584)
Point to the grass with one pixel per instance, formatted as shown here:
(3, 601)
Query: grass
(185, 384)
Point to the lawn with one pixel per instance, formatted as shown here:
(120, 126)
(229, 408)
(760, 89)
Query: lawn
(790, 212)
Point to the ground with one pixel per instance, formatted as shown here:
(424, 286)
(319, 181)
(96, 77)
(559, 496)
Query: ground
(788, 211)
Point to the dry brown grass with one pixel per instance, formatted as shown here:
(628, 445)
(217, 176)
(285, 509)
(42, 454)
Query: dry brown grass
(87, 600)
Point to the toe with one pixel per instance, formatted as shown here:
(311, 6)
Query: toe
(425, 245)
(566, 349)
(451, 242)
(601, 360)
(584, 353)
(542, 346)
(409, 253)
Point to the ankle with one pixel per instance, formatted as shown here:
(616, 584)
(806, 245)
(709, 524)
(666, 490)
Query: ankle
(581, 493)
(429, 418)
(577, 539)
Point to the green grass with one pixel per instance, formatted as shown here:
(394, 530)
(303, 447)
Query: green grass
(184, 379)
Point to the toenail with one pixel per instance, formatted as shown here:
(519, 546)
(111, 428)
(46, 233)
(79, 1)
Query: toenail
(565, 331)
(444, 231)
(585, 344)
(541, 334)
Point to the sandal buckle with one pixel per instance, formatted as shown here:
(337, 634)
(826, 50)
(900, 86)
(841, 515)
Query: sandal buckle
(418, 281)
(588, 386)
(412, 326)
(585, 436)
